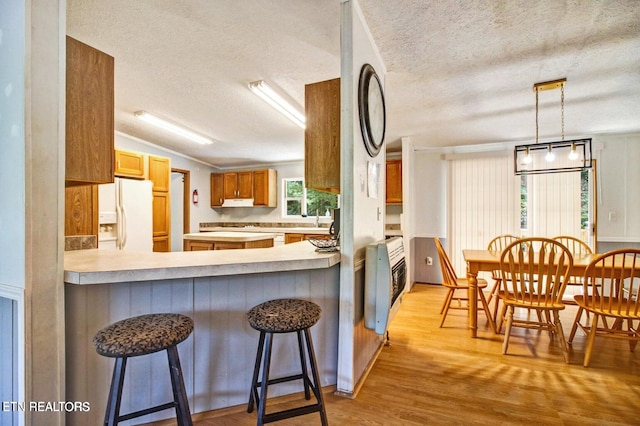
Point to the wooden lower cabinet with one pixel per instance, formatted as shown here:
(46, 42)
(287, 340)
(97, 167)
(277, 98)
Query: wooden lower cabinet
(295, 238)
(161, 244)
(196, 245)
(81, 210)
(161, 221)
(191, 245)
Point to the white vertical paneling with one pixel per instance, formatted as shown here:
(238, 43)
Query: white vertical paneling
(554, 204)
(366, 342)
(483, 203)
(217, 359)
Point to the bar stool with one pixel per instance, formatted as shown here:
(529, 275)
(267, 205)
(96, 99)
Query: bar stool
(143, 335)
(285, 316)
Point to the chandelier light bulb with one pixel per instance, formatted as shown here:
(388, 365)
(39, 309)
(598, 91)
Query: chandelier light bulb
(527, 157)
(550, 156)
(573, 155)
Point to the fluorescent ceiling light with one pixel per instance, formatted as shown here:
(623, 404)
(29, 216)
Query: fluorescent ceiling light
(263, 90)
(174, 128)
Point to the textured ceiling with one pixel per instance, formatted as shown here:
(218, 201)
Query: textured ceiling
(458, 72)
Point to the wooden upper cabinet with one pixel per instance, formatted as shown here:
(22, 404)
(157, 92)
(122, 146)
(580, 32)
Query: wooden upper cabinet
(129, 164)
(160, 173)
(89, 115)
(322, 136)
(217, 189)
(264, 188)
(238, 185)
(394, 181)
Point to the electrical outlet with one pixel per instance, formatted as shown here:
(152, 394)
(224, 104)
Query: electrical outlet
(429, 260)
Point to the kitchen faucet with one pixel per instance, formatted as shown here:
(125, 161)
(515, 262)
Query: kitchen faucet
(317, 220)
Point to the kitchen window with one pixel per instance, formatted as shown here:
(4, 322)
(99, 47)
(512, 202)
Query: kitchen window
(302, 202)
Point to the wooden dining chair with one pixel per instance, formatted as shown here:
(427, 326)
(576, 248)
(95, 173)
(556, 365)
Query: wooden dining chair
(498, 244)
(611, 285)
(458, 289)
(537, 270)
(575, 245)
(578, 248)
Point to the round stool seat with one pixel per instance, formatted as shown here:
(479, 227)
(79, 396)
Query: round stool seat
(142, 335)
(283, 315)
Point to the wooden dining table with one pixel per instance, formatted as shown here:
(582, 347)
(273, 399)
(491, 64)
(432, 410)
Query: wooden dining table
(489, 260)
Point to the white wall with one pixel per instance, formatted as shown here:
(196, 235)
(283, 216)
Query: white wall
(32, 126)
(362, 216)
(618, 191)
(12, 135)
(430, 195)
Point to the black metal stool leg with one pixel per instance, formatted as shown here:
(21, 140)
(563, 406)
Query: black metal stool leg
(115, 392)
(253, 394)
(317, 388)
(183, 415)
(265, 379)
(303, 364)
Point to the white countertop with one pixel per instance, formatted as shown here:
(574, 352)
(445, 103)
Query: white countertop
(116, 266)
(285, 230)
(230, 236)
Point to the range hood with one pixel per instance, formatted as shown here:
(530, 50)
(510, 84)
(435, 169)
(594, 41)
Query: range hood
(238, 202)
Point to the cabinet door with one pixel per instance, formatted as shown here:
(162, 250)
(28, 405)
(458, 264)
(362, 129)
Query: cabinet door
(160, 173)
(161, 214)
(245, 184)
(322, 136)
(230, 185)
(89, 114)
(264, 188)
(129, 164)
(161, 244)
(217, 189)
(293, 238)
(238, 185)
(394, 181)
(195, 245)
(81, 210)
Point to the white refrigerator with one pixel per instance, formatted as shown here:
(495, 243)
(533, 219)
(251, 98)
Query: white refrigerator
(125, 215)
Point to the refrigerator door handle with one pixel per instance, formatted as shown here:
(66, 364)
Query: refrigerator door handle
(124, 227)
(118, 228)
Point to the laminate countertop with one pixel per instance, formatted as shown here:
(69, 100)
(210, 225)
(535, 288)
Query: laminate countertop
(239, 237)
(118, 266)
(280, 230)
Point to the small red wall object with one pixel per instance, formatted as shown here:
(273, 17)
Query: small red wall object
(195, 196)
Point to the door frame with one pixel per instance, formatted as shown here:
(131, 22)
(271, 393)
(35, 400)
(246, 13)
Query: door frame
(186, 207)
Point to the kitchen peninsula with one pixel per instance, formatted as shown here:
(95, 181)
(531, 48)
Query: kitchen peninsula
(227, 240)
(216, 289)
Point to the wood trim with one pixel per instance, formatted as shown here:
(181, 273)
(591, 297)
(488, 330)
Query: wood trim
(186, 199)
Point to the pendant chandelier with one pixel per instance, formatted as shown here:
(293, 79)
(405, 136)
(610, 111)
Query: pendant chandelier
(552, 157)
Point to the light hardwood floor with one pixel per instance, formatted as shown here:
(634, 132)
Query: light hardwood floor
(440, 376)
